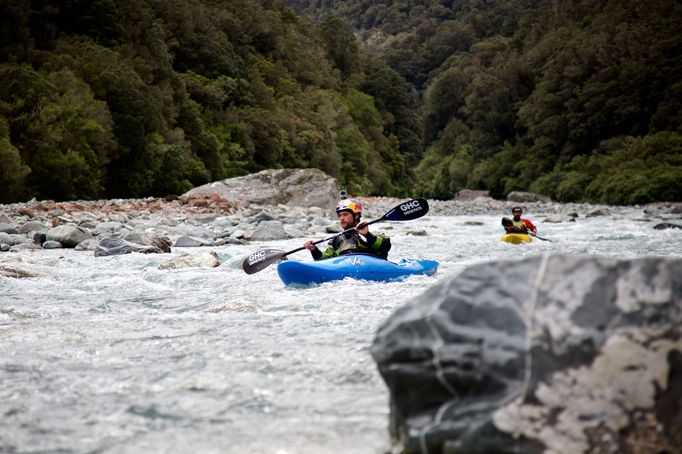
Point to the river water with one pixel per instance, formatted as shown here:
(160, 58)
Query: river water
(113, 355)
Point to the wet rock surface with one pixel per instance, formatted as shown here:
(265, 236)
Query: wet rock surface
(547, 354)
(294, 187)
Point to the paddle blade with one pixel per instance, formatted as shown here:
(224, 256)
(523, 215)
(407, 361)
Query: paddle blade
(407, 211)
(261, 259)
(506, 222)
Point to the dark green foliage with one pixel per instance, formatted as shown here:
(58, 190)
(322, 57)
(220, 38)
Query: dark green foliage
(341, 46)
(12, 171)
(198, 44)
(397, 103)
(64, 135)
(15, 38)
(579, 100)
(150, 97)
(372, 154)
(625, 172)
(523, 95)
(642, 170)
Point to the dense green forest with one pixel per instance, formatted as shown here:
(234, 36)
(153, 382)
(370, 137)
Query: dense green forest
(131, 98)
(579, 100)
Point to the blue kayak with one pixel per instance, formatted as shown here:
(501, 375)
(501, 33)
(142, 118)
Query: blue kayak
(355, 266)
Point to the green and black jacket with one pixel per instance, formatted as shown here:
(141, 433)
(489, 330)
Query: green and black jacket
(352, 243)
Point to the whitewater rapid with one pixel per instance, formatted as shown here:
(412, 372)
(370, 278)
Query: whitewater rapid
(114, 355)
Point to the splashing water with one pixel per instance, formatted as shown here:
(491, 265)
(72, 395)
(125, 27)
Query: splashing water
(114, 355)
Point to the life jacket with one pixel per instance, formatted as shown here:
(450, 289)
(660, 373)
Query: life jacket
(352, 242)
(524, 224)
(348, 243)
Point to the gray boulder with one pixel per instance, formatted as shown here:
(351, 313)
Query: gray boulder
(269, 230)
(558, 218)
(470, 194)
(189, 241)
(118, 246)
(667, 225)
(162, 243)
(8, 228)
(548, 354)
(32, 226)
(333, 228)
(294, 187)
(109, 228)
(15, 272)
(87, 245)
(294, 231)
(39, 237)
(520, 196)
(598, 212)
(203, 259)
(12, 238)
(68, 235)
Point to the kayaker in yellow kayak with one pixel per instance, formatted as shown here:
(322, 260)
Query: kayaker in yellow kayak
(357, 241)
(519, 224)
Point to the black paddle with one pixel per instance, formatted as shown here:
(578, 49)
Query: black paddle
(406, 211)
(506, 222)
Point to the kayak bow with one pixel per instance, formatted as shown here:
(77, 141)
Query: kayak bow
(516, 238)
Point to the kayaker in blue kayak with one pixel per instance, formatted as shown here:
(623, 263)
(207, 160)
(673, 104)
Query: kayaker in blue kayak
(518, 224)
(357, 241)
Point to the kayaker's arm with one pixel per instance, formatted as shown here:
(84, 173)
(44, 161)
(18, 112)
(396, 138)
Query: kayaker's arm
(515, 229)
(314, 251)
(529, 226)
(522, 226)
(380, 243)
(319, 255)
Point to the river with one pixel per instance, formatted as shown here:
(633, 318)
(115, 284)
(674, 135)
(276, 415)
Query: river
(113, 355)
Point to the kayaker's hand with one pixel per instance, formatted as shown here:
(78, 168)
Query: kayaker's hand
(309, 245)
(362, 228)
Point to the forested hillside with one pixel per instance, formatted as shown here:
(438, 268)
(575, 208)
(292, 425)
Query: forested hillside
(132, 98)
(579, 100)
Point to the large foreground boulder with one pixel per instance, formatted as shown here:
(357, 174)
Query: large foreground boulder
(294, 187)
(551, 354)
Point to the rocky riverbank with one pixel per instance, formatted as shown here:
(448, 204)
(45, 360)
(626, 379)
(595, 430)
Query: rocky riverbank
(269, 205)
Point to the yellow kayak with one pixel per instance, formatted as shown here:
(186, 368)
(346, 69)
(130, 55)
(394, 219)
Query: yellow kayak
(516, 238)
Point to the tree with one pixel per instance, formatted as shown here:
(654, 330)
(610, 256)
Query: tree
(342, 48)
(397, 103)
(12, 170)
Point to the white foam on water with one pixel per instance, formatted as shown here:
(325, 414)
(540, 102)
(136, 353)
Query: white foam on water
(112, 354)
